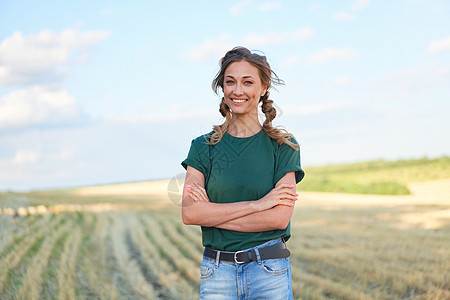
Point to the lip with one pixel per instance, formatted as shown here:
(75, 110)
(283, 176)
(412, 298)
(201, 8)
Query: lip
(241, 101)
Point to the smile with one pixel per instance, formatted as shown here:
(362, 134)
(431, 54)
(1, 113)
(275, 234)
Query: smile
(238, 100)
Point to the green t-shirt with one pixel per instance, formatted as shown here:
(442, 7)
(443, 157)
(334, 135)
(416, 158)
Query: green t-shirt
(241, 169)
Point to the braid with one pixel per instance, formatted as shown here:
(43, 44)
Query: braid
(223, 108)
(280, 135)
(219, 130)
(268, 110)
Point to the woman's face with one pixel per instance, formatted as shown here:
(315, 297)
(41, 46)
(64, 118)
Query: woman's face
(242, 88)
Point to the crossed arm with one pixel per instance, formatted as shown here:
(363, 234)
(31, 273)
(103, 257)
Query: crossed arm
(273, 211)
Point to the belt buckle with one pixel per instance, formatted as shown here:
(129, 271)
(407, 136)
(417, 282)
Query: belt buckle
(235, 257)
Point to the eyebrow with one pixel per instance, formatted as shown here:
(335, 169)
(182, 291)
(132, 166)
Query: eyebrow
(246, 76)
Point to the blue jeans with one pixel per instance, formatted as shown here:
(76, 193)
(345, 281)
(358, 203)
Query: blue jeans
(261, 279)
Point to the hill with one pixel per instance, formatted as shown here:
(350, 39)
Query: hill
(378, 177)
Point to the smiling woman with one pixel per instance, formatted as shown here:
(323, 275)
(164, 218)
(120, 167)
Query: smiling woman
(246, 78)
(240, 187)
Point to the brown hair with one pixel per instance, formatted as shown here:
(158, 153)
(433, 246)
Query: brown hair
(268, 77)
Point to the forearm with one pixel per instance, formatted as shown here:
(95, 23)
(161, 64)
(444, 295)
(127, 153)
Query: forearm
(198, 210)
(211, 214)
(277, 217)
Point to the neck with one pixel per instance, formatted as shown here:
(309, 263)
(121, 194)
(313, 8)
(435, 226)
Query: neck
(244, 126)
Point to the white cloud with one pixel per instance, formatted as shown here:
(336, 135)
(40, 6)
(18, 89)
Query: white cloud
(342, 16)
(106, 11)
(357, 6)
(342, 80)
(360, 4)
(211, 49)
(44, 57)
(331, 54)
(63, 154)
(240, 7)
(424, 76)
(290, 61)
(314, 7)
(37, 105)
(271, 38)
(270, 6)
(23, 157)
(404, 83)
(439, 45)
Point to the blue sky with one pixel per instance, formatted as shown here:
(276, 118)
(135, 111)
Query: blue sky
(95, 92)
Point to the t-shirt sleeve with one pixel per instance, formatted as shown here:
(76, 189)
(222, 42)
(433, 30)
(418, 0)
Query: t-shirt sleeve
(197, 157)
(288, 160)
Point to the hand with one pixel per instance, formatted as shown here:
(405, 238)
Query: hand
(284, 194)
(197, 193)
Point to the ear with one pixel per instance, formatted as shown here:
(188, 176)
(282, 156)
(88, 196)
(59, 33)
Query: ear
(264, 91)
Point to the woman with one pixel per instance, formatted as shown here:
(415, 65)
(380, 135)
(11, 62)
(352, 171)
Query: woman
(240, 187)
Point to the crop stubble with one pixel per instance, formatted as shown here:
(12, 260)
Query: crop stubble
(342, 248)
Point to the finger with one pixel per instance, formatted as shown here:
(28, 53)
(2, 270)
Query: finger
(197, 193)
(287, 203)
(290, 202)
(288, 196)
(200, 196)
(193, 197)
(198, 185)
(288, 191)
(202, 189)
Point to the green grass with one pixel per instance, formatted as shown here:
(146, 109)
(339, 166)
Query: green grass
(378, 177)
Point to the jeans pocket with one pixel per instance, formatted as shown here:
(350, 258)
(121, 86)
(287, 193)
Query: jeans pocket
(206, 268)
(275, 266)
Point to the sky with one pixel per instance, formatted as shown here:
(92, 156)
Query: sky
(98, 92)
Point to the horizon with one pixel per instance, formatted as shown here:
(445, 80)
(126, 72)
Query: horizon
(43, 189)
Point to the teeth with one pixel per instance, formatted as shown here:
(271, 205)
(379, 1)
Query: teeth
(238, 101)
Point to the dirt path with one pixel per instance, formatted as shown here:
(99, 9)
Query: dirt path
(427, 192)
(132, 189)
(429, 205)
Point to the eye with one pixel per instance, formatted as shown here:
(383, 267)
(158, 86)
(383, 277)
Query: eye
(248, 82)
(229, 82)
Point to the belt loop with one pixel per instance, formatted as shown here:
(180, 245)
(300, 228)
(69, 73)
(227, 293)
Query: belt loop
(258, 258)
(217, 259)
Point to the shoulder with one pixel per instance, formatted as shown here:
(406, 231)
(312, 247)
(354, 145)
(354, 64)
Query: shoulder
(285, 146)
(291, 140)
(203, 139)
(201, 142)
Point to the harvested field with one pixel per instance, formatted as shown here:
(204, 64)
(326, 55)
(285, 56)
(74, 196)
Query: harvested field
(114, 242)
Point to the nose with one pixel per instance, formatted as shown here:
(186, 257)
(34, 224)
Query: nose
(238, 90)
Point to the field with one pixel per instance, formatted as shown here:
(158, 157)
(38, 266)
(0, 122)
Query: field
(127, 242)
(375, 177)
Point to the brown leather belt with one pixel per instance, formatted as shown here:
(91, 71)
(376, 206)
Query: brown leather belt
(278, 250)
